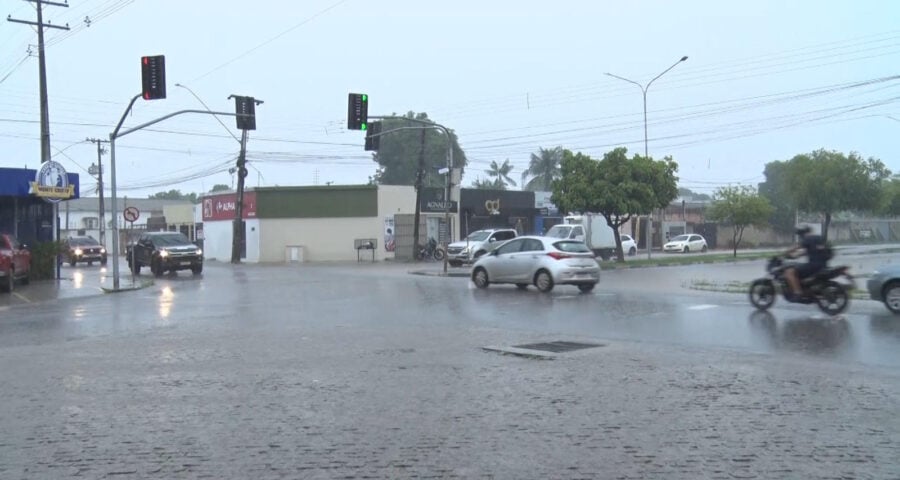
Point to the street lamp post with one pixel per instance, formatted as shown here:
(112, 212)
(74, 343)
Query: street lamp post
(646, 148)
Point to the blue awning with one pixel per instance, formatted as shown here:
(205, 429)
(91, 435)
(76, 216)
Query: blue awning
(15, 182)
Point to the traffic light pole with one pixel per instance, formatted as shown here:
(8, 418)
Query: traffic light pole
(112, 171)
(449, 173)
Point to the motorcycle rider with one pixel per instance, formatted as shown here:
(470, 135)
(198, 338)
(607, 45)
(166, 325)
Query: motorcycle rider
(817, 254)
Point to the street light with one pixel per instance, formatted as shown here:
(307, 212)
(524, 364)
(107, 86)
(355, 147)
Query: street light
(207, 108)
(646, 148)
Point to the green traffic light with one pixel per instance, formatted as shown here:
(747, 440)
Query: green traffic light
(362, 126)
(365, 98)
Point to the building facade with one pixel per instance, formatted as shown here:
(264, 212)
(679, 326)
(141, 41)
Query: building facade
(24, 208)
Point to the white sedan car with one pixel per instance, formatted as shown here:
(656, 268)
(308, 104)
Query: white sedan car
(629, 246)
(539, 261)
(686, 243)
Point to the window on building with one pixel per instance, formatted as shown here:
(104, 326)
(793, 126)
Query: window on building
(91, 223)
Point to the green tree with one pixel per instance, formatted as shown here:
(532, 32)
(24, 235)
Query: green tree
(175, 195)
(739, 207)
(777, 191)
(398, 153)
(219, 187)
(543, 169)
(687, 192)
(486, 184)
(890, 197)
(500, 173)
(827, 182)
(616, 187)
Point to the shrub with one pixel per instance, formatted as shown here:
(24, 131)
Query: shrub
(43, 260)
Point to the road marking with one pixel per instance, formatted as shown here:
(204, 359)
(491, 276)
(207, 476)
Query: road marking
(702, 307)
(21, 297)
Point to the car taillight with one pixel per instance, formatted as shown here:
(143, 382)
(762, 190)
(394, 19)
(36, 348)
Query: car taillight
(559, 255)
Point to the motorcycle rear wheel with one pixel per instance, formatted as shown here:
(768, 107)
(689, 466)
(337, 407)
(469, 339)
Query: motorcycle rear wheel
(762, 293)
(833, 298)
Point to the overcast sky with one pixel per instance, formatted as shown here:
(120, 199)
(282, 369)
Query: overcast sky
(765, 80)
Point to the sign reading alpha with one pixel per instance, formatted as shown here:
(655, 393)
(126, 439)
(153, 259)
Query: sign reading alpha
(52, 183)
(224, 206)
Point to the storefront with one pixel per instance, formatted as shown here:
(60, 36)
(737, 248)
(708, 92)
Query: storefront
(481, 208)
(28, 200)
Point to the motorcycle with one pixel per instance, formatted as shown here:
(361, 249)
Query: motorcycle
(430, 251)
(829, 289)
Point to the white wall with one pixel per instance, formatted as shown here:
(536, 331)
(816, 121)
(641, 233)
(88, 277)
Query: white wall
(217, 238)
(322, 239)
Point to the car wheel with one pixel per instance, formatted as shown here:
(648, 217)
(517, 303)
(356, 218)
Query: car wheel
(10, 281)
(25, 280)
(891, 296)
(704, 249)
(586, 287)
(543, 281)
(686, 250)
(135, 268)
(90, 264)
(197, 270)
(632, 252)
(522, 286)
(72, 263)
(103, 262)
(480, 278)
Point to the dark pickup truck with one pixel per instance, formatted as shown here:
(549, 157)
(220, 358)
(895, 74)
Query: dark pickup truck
(164, 252)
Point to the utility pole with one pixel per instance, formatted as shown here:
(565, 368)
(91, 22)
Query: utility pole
(42, 68)
(245, 115)
(237, 238)
(420, 174)
(100, 152)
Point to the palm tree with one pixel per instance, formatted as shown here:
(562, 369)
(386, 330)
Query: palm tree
(543, 169)
(501, 172)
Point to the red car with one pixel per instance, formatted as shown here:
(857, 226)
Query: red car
(15, 262)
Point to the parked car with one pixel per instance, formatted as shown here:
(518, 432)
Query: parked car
(83, 249)
(164, 252)
(541, 261)
(15, 262)
(629, 246)
(477, 244)
(686, 244)
(884, 286)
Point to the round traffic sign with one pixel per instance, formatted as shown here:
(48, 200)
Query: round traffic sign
(131, 214)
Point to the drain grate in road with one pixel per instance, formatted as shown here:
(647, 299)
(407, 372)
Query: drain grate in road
(557, 347)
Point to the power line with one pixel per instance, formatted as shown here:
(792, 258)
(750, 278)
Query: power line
(276, 37)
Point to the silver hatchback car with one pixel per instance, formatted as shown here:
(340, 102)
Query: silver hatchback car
(541, 261)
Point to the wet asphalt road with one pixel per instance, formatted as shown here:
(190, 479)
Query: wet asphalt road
(646, 305)
(366, 371)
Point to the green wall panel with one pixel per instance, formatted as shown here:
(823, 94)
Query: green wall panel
(317, 202)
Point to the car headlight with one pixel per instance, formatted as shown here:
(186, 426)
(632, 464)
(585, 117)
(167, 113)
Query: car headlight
(163, 253)
(199, 251)
(102, 250)
(78, 251)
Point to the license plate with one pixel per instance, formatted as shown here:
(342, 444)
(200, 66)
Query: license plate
(185, 263)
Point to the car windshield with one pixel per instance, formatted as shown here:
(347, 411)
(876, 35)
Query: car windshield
(82, 241)
(572, 247)
(478, 236)
(170, 239)
(680, 238)
(559, 232)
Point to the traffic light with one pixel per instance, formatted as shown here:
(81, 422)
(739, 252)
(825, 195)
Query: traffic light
(153, 77)
(373, 137)
(245, 108)
(358, 111)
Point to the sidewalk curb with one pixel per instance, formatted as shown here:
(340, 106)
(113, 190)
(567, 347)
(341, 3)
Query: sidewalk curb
(430, 273)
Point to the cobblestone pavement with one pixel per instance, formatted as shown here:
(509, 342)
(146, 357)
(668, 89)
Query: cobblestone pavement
(335, 373)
